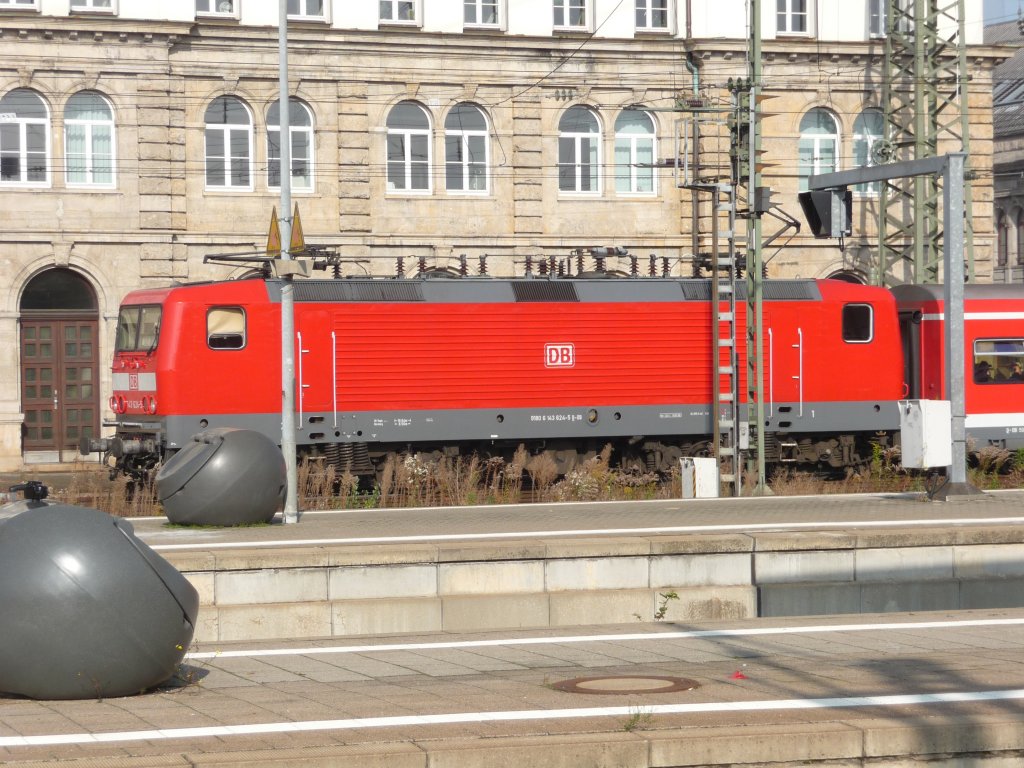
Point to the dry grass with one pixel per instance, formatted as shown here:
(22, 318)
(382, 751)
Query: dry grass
(419, 480)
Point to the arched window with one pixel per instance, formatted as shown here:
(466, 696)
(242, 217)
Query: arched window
(24, 138)
(1020, 237)
(579, 142)
(300, 127)
(634, 152)
(408, 148)
(89, 140)
(228, 144)
(1002, 240)
(466, 150)
(867, 129)
(819, 145)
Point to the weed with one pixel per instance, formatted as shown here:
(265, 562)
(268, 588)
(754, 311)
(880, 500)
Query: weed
(639, 719)
(666, 598)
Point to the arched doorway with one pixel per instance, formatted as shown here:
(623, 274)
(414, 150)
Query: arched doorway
(59, 325)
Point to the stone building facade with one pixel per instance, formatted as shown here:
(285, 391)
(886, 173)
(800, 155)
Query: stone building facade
(137, 138)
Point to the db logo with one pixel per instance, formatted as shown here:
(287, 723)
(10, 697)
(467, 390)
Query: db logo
(559, 355)
(133, 381)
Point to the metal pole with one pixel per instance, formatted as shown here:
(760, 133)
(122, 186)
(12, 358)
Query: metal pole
(953, 256)
(755, 264)
(291, 511)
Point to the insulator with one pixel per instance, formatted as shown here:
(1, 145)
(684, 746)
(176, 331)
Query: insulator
(634, 266)
(654, 266)
(529, 265)
(551, 265)
(422, 264)
(463, 265)
(483, 265)
(579, 264)
(400, 266)
(664, 266)
(542, 267)
(599, 263)
(561, 268)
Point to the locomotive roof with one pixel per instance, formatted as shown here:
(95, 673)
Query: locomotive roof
(494, 290)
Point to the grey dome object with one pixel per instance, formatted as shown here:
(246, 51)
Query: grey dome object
(88, 610)
(223, 477)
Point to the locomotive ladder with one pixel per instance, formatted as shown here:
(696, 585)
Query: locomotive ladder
(724, 356)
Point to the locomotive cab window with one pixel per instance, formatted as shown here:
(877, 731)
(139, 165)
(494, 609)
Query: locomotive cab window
(138, 329)
(998, 361)
(225, 328)
(858, 323)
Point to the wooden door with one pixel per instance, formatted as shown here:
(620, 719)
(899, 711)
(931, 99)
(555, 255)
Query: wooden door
(59, 383)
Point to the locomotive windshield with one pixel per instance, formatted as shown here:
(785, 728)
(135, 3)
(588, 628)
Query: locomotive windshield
(138, 328)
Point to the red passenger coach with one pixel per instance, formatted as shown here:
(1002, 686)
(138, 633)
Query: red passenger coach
(993, 356)
(561, 365)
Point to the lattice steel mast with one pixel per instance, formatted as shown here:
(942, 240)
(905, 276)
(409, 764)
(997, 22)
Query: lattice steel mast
(924, 98)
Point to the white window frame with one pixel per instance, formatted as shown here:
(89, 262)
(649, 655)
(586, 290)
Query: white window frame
(90, 126)
(407, 161)
(465, 135)
(648, 9)
(90, 6)
(19, 5)
(217, 14)
(565, 9)
(577, 138)
(877, 23)
(23, 123)
(478, 7)
(861, 136)
(787, 14)
(632, 140)
(817, 141)
(395, 7)
(305, 15)
(226, 129)
(293, 130)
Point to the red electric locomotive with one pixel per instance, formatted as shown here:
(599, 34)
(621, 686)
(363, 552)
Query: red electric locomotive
(563, 365)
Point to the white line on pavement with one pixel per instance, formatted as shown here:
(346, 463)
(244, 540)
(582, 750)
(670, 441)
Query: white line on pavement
(558, 640)
(842, 702)
(742, 527)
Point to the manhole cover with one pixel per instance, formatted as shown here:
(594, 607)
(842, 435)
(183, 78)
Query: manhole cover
(626, 684)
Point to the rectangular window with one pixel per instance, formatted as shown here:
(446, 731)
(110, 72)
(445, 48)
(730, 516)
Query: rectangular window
(399, 11)
(100, 6)
(999, 361)
(571, 14)
(225, 328)
(652, 15)
(306, 9)
(481, 13)
(876, 18)
(138, 329)
(226, 8)
(23, 4)
(792, 17)
(858, 323)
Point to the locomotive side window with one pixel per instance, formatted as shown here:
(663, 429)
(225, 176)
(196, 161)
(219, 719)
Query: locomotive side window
(138, 329)
(858, 323)
(999, 361)
(225, 328)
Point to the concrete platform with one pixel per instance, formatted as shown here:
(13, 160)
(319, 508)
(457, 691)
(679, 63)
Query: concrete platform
(469, 569)
(439, 638)
(892, 690)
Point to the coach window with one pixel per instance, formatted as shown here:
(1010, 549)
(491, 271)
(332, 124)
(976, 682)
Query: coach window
(225, 328)
(858, 323)
(999, 361)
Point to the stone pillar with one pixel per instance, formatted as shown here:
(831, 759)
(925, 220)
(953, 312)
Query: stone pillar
(528, 165)
(354, 160)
